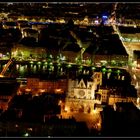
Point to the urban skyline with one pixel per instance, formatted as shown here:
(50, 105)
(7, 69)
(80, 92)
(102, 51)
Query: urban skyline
(69, 69)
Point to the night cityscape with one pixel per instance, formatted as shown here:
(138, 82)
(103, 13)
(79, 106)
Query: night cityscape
(69, 69)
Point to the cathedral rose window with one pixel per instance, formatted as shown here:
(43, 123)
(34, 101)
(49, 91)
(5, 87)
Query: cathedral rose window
(81, 93)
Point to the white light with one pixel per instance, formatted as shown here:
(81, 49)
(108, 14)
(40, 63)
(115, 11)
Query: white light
(104, 17)
(134, 76)
(96, 22)
(26, 134)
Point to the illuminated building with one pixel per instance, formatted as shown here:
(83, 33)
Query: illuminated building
(117, 99)
(35, 86)
(22, 52)
(81, 95)
(118, 93)
(28, 32)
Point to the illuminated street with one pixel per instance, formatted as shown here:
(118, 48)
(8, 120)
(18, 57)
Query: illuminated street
(93, 120)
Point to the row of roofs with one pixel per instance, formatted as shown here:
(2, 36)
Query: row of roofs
(96, 39)
(100, 40)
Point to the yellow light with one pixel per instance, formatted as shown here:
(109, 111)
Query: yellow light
(1, 75)
(27, 89)
(98, 124)
(66, 109)
(42, 90)
(94, 111)
(58, 90)
(59, 103)
(30, 129)
(35, 95)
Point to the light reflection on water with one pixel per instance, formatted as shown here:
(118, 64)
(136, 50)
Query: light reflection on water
(35, 69)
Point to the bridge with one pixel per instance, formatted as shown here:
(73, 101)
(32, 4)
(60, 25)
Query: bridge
(2, 74)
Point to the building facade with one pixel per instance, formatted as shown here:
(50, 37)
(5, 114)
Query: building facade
(35, 86)
(81, 94)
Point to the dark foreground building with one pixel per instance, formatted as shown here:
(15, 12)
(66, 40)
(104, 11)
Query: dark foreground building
(8, 88)
(124, 121)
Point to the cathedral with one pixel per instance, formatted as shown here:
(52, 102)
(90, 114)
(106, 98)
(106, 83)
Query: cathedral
(81, 94)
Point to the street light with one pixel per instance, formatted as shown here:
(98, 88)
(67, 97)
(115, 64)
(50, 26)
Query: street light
(26, 134)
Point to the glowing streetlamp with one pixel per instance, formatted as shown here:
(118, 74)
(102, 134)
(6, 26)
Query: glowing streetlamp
(26, 134)
(69, 65)
(104, 70)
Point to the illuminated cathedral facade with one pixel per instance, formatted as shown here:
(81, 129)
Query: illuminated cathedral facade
(81, 94)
